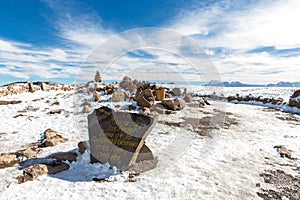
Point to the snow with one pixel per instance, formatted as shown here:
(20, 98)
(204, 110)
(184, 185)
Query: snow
(224, 165)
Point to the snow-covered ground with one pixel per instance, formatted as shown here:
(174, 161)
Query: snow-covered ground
(225, 164)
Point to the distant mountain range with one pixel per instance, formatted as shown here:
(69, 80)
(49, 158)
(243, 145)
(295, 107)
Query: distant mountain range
(285, 84)
(239, 84)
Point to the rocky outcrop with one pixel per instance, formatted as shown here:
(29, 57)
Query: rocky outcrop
(52, 138)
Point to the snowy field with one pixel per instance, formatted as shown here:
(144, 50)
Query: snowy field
(224, 164)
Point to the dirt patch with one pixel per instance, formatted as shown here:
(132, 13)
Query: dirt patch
(282, 184)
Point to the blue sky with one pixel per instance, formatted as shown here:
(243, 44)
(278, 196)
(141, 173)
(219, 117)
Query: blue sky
(248, 41)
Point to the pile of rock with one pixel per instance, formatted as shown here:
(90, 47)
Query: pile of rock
(248, 98)
(128, 84)
(145, 95)
(295, 99)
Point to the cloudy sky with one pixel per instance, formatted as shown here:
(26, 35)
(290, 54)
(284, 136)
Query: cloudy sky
(250, 41)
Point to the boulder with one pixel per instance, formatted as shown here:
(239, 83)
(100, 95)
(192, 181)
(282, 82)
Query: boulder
(96, 96)
(8, 160)
(31, 173)
(63, 156)
(174, 104)
(118, 96)
(176, 92)
(52, 138)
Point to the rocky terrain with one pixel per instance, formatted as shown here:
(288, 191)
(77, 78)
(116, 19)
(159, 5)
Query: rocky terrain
(204, 149)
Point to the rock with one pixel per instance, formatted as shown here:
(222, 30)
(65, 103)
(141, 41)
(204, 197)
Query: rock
(9, 102)
(31, 173)
(144, 97)
(82, 146)
(52, 138)
(188, 98)
(55, 102)
(118, 96)
(168, 95)
(131, 107)
(29, 153)
(88, 104)
(44, 86)
(283, 151)
(62, 156)
(296, 94)
(31, 87)
(160, 94)
(145, 111)
(86, 109)
(174, 104)
(96, 96)
(176, 92)
(145, 154)
(143, 102)
(56, 111)
(8, 160)
(56, 167)
(98, 77)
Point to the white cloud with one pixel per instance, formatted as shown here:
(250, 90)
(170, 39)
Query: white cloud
(237, 28)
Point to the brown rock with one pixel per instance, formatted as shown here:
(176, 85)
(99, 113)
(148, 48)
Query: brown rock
(174, 104)
(86, 104)
(8, 160)
(145, 111)
(57, 167)
(82, 146)
(168, 95)
(62, 156)
(29, 153)
(52, 138)
(32, 172)
(9, 102)
(96, 96)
